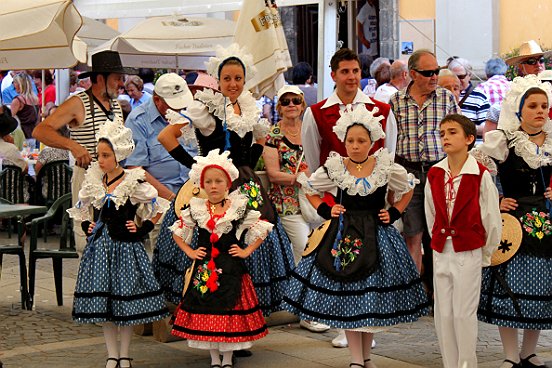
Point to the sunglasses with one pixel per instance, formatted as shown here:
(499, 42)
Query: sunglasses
(462, 76)
(428, 73)
(533, 61)
(295, 100)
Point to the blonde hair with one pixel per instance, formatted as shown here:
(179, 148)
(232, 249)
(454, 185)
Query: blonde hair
(23, 80)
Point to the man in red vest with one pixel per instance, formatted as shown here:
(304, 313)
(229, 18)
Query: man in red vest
(317, 135)
(317, 131)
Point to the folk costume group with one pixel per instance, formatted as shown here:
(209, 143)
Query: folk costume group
(356, 272)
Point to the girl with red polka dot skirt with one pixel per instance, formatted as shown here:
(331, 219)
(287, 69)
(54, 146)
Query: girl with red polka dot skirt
(219, 310)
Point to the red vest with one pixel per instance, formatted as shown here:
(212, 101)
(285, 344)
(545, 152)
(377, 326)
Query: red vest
(325, 121)
(465, 227)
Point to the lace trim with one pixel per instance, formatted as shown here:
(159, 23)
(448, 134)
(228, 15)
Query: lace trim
(241, 124)
(180, 229)
(238, 206)
(259, 230)
(533, 155)
(379, 177)
(485, 160)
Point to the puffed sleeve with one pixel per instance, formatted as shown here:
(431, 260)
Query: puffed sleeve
(318, 183)
(255, 226)
(201, 118)
(401, 181)
(82, 210)
(184, 226)
(495, 147)
(149, 203)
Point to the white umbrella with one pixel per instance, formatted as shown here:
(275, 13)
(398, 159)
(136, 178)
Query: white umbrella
(173, 42)
(91, 35)
(260, 31)
(37, 34)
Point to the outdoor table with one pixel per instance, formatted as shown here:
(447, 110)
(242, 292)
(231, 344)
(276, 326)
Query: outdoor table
(20, 211)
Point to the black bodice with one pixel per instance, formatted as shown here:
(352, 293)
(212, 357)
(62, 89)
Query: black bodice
(519, 180)
(242, 151)
(373, 202)
(115, 220)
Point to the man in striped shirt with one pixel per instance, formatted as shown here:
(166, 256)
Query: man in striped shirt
(419, 109)
(84, 113)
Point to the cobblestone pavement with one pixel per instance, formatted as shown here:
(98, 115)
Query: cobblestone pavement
(47, 337)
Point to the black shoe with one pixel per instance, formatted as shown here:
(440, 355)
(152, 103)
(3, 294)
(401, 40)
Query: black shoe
(242, 353)
(113, 359)
(525, 363)
(129, 360)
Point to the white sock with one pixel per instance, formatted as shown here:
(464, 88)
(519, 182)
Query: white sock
(215, 356)
(110, 336)
(227, 357)
(126, 337)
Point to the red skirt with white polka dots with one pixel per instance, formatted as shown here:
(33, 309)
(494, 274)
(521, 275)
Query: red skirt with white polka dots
(245, 322)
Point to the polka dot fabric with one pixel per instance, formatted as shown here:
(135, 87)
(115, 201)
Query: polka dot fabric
(245, 322)
(115, 283)
(391, 295)
(529, 279)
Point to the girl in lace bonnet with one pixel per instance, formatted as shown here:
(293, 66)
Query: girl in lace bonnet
(228, 233)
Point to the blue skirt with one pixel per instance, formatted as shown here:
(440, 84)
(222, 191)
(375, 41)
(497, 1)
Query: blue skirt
(269, 266)
(116, 284)
(391, 295)
(530, 280)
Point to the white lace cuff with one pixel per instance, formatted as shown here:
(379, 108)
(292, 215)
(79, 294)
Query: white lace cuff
(259, 230)
(485, 160)
(183, 231)
(80, 212)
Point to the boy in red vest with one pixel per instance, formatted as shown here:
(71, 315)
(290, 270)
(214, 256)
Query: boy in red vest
(463, 217)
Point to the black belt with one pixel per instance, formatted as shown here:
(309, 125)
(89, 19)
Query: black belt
(422, 166)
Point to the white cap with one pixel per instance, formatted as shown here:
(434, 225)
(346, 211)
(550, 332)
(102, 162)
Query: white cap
(174, 90)
(289, 89)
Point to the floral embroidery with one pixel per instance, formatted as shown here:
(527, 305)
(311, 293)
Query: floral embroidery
(537, 224)
(347, 250)
(202, 277)
(253, 192)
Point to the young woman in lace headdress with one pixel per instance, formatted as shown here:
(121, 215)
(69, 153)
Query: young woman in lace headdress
(229, 121)
(518, 294)
(361, 277)
(115, 283)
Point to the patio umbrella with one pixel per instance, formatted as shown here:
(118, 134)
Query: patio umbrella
(91, 35)
(172, 42)
(37, 34)
(260, 31)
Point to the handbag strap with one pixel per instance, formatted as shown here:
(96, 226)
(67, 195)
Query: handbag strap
(466, 95)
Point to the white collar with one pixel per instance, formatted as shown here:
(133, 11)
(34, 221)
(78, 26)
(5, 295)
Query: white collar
(360, 97)
(469, 167)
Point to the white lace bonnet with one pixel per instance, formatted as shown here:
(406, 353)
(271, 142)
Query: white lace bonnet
(214, 159)
(233, 51)
(119, 136)
(359, 115)
(509, 119)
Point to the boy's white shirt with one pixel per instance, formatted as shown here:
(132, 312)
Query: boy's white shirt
(488, 204)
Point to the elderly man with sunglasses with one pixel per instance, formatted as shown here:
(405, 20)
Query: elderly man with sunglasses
(419, 109)
(473, 101)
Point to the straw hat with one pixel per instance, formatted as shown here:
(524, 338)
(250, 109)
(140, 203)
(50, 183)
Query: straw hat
(187, 192)
(510, 241)
(315, 237)
(527, 50)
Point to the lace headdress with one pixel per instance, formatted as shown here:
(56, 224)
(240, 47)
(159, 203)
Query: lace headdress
(224, 54)
(360, 115)
(119, 136)
(214, 159)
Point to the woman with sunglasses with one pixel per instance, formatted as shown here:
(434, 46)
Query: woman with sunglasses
(229, 121)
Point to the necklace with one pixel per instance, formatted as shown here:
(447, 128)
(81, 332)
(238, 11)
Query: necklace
(213, 206)
(293, 134)
(234, 103)
(108, 183)
(533, 134)
(359, 163)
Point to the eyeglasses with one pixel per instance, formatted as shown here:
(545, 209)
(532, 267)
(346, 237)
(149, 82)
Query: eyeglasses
(462, 76)
(428, 73)
(533, 61)
(295, 100)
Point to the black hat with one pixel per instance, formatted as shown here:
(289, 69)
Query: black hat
(7, 124)
(107, 62)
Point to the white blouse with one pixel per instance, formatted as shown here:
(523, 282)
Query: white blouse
(133, 186)
(197, 214)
